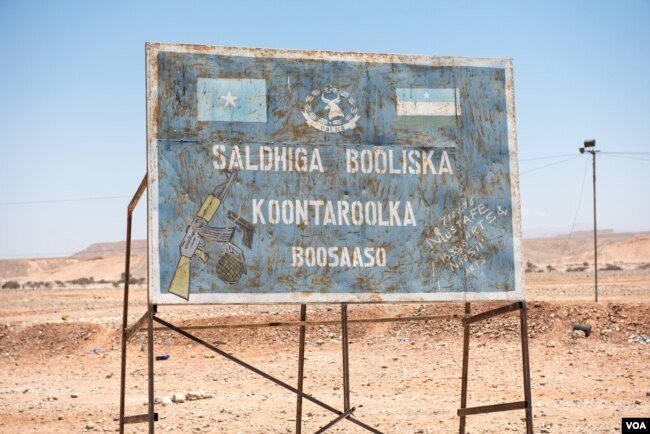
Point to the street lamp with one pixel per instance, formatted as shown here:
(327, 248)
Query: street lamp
(590, 148)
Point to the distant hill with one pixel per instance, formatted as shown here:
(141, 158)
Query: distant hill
(614, 248)
(138, 247)
(106, 260)
(99, 261)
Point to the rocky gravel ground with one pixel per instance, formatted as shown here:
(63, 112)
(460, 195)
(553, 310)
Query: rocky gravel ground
(60, 365)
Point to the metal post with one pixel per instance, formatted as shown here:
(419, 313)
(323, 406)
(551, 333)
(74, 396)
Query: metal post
(335, 421)
(346, 360)
(125, 307)
(523, 318)
(593, 153)
(590, 147)
(152, 311)
(463, 387)
(301, 368)
(125, 314)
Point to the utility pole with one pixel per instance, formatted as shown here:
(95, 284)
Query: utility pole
(590, 147)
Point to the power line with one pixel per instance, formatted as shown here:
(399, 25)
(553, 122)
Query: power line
(69, 254)
(82, 199)
(545, 158)
(37, 255)
(626, 153)
(627, 158)
(551, 157)
(575, 217)
(549, 165)
(55, 255)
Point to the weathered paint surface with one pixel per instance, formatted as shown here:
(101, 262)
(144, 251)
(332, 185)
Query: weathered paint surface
(355, 177)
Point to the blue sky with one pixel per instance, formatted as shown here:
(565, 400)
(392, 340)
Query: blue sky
(72, 98)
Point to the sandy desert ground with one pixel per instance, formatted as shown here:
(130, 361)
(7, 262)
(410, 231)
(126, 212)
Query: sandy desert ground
(60, 359)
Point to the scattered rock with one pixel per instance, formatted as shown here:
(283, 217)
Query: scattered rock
(577, 334)
(550, 344)
(545, 428)
(197, 394)
(178, 398)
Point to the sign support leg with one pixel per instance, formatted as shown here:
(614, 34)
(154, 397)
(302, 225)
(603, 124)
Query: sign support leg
(523, 318)
(301, 369)
(123, 364)
(526, 404)
(125, 307)
(150, 356)
(463, 389)
(346, 360)
(125, 314)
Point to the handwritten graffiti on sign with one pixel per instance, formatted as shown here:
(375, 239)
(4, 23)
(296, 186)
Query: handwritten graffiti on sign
(460, 241)
(289, 176)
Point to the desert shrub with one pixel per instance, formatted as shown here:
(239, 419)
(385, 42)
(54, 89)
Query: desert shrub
(83, 281)
(577, 268)
(132, 280)
(611, 267)
(530, 267)
(550, 268)
(11, 284)
(645, 266)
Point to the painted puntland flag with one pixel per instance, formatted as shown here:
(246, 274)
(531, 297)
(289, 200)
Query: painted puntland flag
(423, 108)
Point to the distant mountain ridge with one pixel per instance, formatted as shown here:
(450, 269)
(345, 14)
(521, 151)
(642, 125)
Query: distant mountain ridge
(562, 250)
(106, 260)
(99, 261)
(138, 247)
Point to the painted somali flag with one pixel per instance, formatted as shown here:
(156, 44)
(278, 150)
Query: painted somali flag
(427, 108)
(231, 100)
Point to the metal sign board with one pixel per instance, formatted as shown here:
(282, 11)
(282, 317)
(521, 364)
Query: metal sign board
(301, 176)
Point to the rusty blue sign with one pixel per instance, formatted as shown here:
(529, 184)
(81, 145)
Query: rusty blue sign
(294, 176)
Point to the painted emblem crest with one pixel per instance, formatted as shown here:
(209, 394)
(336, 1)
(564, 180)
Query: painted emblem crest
(330, 110)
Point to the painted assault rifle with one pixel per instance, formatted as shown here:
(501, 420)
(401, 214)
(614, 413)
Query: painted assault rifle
(231, 264)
